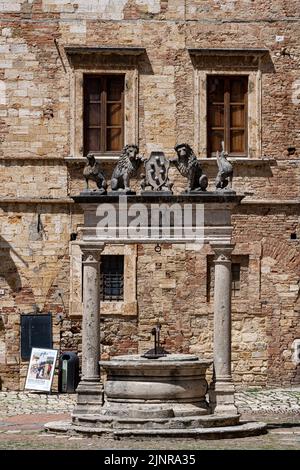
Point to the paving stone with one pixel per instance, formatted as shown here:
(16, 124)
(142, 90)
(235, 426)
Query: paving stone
(271, 401)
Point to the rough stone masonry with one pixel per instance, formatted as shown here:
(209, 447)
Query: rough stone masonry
(42, 161)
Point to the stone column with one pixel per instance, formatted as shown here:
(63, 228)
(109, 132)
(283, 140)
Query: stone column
(90, 388)
(222, 388)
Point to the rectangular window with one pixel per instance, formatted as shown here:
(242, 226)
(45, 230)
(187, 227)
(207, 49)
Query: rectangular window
(235, 279)
(112, 277)
(103, 113)
(227, 114)
(36, 332)
(239, 276)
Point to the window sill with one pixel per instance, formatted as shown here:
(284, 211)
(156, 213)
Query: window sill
(102, 158)
(208, 160)
(240, 161)
(118, 308)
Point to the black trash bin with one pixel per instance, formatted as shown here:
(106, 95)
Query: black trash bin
(68, 377)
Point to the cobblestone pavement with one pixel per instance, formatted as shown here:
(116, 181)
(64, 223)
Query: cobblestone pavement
(15, 403)
(282, 401)
(20, 433)
(23, 415)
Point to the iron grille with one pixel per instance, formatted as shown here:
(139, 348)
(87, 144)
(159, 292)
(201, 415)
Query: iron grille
(112, 278)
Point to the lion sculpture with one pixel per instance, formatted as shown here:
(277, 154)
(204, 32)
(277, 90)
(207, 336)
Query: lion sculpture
(127, 166)
(188, 166)
(92, 171)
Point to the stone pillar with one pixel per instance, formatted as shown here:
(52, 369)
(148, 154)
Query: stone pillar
(222, 388)
(90, 388)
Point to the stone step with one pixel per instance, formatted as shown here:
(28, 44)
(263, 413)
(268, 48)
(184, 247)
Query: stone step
(59, 427)
(189, 422)
(222, 432)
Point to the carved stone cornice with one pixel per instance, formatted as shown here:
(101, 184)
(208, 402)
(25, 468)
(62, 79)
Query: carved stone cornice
(239, 58)
(79, 55)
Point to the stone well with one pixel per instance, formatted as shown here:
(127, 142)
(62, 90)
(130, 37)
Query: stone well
(165, 396)
(156, 397)
(170, 386)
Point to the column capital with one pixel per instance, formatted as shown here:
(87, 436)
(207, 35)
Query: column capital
(91, 253)
(222, 251)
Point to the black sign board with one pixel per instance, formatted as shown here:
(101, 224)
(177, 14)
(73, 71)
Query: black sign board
(36, 332)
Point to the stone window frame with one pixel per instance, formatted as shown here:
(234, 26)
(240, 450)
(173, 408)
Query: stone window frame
(127, 307)
(130, 106)
(254, 144)
(238, 62)
(99, 60)
(113, 279)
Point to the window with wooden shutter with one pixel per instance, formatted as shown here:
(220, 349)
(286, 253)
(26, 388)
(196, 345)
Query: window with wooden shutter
(227, 114)
(103, 113)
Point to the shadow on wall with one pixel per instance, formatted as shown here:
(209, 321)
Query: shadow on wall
(8, 270)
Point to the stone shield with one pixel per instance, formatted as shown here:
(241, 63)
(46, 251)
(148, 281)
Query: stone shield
(157, 167)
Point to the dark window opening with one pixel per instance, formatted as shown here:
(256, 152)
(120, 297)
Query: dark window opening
(36, 332)
(235, 279)
(239, 276)
(103, 113)
(112, 277)
(227, 115)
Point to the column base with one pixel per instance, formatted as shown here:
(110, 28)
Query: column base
(221, 398)
(90, 396)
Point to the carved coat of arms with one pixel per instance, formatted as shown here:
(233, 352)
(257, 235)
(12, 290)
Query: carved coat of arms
(156, 173)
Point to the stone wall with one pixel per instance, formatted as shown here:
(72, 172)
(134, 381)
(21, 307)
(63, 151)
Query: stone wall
(35, 88)
(172, 286)
(34, 275)
(37, 216)
(273, 293)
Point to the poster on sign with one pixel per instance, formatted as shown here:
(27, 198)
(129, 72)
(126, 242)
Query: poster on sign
(41, 369)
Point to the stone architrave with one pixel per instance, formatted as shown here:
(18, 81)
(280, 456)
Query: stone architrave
(90, 388)
(222, 388)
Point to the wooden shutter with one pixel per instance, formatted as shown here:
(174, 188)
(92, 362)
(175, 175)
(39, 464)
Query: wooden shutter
(227, 114)
(103, 113)
(114, 106)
